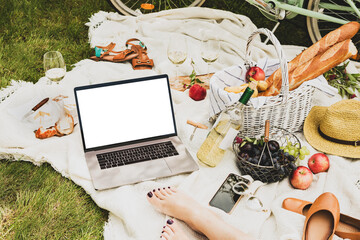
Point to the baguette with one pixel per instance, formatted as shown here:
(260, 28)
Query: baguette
(316, 66)
(340, 34)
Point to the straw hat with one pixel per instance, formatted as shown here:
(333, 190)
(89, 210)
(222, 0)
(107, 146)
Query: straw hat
(335, 129)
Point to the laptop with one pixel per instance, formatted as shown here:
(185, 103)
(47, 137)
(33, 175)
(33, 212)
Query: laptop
(129, 133)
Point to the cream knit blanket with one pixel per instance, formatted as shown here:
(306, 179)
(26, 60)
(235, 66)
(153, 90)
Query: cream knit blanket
(131, 216)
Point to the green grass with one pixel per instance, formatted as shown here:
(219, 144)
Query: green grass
(37, 202)
(29, 28)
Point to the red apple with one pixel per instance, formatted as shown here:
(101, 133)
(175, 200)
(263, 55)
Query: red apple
(256, 73)
(319, 162)
(197, 92)
(301, 178)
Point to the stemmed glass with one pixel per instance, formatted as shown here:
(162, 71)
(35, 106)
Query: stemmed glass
(177, 51)
(210, 49)
(54, 66)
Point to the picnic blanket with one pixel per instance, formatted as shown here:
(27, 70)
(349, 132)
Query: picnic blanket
(131, 216)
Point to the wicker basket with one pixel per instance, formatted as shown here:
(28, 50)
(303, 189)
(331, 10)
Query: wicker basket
(286, 110)
(266, 174)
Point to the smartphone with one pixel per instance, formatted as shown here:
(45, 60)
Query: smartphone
(225, 198)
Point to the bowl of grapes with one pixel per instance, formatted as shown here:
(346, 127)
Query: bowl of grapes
(268, 157)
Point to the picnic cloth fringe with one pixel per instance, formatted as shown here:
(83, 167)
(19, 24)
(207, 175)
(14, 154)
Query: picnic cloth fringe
(131, 216)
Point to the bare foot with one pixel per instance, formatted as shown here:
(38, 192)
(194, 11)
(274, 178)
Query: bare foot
(172, 231)
(175, 203)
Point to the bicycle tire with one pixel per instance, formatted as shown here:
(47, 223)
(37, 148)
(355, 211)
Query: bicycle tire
(135, 7)
(318, 28)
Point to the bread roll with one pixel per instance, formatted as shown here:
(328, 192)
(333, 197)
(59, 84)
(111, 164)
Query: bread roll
(262, 85)
(65, 125)
(316, 66)
(236, 89)
(340, 34)
(242, 88)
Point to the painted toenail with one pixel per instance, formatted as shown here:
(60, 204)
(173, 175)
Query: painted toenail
(162, 232)
(170, 221)
(158, 189)
(149, 194)
(163, 188)
(153, 190)
(169, 187)
(164, 226)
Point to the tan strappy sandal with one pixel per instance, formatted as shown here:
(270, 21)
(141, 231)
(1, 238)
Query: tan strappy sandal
(103, 54)
(142, 61)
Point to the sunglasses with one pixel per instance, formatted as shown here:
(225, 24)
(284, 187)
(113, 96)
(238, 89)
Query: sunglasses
(248, 192)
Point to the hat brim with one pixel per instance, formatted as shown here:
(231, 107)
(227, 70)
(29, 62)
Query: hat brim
(313, 137)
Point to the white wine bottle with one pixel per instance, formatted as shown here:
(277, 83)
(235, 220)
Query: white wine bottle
(228, 122)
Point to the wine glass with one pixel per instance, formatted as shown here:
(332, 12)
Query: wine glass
(210, 49)
(177, 52)
(54, 66)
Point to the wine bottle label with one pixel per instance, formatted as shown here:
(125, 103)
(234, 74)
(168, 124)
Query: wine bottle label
(222, 123)
(228, 139)
(248, 92)
(245, 97)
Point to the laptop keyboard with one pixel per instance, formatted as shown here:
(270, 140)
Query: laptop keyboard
(137, 154)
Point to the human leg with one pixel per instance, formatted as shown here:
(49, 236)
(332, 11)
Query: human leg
(176, 203)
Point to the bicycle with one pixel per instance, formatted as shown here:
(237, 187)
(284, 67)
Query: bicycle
(138, 7)
(322, 16)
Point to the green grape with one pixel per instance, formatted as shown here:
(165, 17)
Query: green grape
(302, 151)
(296, 152)
(292, 152)
(307, 152)
(294, 149)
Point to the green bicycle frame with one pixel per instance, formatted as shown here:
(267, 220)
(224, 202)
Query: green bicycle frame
(297, 9)
(308, 13)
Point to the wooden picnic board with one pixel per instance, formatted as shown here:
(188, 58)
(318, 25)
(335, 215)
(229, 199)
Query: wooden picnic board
(180, 85)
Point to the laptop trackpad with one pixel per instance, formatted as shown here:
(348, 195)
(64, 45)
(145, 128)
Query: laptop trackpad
(146, 170)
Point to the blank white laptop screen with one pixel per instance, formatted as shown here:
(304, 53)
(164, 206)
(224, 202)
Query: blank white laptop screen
(125, 112)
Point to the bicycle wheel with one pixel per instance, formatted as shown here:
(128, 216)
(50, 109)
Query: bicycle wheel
(337, 8)
(138, 7)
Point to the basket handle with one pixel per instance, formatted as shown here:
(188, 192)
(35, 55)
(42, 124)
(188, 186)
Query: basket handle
(267, 130)
(281, 55)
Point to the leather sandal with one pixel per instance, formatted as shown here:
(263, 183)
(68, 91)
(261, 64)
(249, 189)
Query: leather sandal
(142, 61)
(348, 227)
(102, 53)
